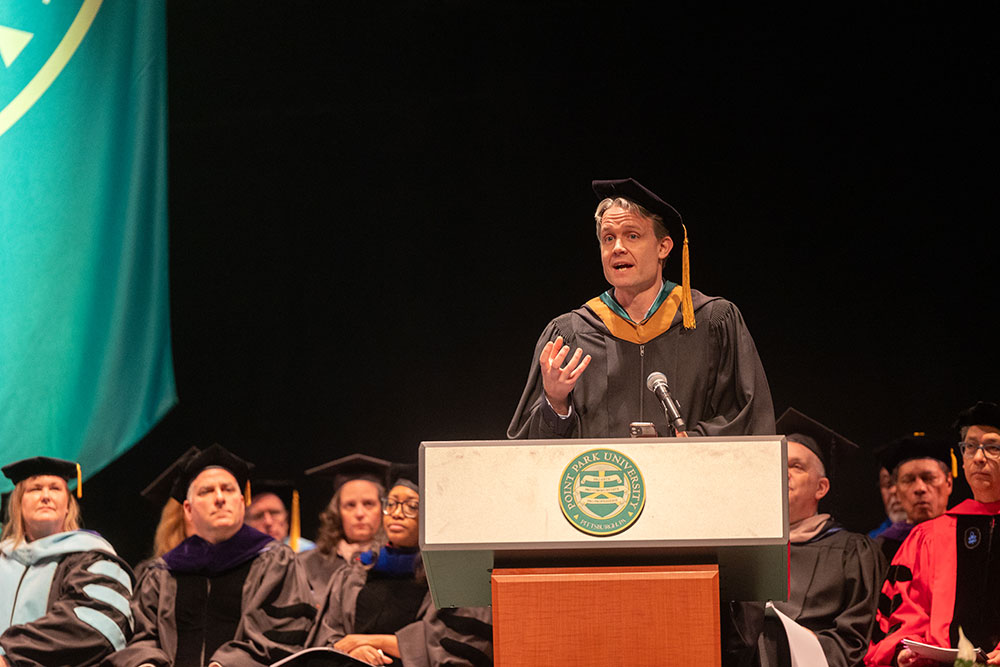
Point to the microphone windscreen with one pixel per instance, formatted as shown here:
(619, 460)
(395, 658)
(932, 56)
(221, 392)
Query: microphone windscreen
(654, 379)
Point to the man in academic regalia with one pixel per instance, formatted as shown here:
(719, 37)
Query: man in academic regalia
(944, 576)
(226, 595)
(894, 512)
(834, 573)
(643, 324)
(275, 510)
(922, 480)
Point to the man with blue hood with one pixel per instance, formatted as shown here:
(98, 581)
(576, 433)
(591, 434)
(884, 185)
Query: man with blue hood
(228, 594)
(64, 592)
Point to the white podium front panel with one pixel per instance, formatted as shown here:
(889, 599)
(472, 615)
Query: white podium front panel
(505, 494)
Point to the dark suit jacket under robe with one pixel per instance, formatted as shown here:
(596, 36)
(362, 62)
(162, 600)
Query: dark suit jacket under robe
(277, 615)
(713, 371)
(835, 580)
(452, 637)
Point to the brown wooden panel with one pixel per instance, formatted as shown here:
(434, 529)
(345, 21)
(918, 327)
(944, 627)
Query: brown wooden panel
(602, 616)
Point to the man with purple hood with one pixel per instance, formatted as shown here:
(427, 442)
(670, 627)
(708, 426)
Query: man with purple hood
(228, 594)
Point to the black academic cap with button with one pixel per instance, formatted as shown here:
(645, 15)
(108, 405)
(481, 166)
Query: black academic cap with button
(983, 413)
(821, 440)
(164, 487)
(351, 467)
(21, 470)
(404, 474)
(914, 446)
(44, 465)
(213, 456)
(633, 190)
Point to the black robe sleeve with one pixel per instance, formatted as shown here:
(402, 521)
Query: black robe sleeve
(154, 595)
(534, 418)
(739, 398)
(278, 612)
(87, 617)
(462, 636)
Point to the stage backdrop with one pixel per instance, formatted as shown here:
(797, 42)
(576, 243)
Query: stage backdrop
(85, 363)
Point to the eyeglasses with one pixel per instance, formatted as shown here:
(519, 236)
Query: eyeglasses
(411, 508)
(990, 451)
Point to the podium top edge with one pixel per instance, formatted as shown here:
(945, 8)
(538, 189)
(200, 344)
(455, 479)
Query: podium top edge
(599, 441)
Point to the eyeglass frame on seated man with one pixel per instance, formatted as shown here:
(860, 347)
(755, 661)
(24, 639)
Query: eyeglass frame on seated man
(991, 450)
(411, 505)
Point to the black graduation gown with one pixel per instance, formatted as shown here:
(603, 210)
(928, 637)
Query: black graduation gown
(276, 606)
(713, 370)
(835, 581)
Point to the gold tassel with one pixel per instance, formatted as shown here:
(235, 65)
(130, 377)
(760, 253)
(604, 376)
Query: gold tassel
(954, 463)
(79, 481)
(294, 529)
(246, 496)
(687, 307)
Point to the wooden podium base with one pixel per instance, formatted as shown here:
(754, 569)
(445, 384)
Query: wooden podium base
(601, 616)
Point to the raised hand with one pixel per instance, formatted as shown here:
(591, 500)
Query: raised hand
(558, 380)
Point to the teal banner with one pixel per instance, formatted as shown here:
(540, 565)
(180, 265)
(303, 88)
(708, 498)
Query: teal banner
(85, 361)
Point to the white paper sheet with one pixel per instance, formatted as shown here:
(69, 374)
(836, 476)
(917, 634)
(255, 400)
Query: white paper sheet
(803, 644)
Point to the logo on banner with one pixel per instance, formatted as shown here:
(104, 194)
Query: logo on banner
(37, 40)
(601, 492)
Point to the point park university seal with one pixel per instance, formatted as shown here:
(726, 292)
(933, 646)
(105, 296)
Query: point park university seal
(601, 492)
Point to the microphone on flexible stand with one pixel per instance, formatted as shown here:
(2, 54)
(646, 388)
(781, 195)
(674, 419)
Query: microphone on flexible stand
(657, 383)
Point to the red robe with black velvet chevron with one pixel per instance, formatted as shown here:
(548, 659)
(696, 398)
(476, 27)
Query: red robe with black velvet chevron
(945, 574)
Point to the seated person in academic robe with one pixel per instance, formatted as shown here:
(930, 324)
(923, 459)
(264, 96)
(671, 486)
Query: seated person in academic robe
(173, 527)
(228, 595)
(834, 574)
(64, 592)
(351, 524)
(643, 324)
(894, 512)
(922, 480)
(944, 575)
(271, 514)
(379, 610)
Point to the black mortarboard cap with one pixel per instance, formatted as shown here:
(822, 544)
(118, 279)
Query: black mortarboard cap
(633, 190)
(351, 467)
(404, 474)
(213, 456)
(917, 445)
(21, 470)
(983, 413)
(164, 487)
(18, 471)
(820, 439)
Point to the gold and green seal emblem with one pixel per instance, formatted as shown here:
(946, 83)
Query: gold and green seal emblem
(601, 492)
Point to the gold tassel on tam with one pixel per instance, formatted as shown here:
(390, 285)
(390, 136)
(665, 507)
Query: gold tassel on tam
(687, 307)
(79, 481)
(954, 463)
(294, 529)
(246, 496)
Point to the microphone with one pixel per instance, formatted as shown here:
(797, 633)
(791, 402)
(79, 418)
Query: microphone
(657, 383)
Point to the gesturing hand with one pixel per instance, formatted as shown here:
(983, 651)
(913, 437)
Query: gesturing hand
(558, 380)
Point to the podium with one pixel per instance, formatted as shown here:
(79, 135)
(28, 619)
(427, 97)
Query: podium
(605, 551)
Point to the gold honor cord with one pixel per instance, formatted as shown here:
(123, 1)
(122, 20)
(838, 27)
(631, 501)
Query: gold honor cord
(52, 67)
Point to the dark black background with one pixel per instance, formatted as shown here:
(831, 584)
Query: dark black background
(375, 209)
